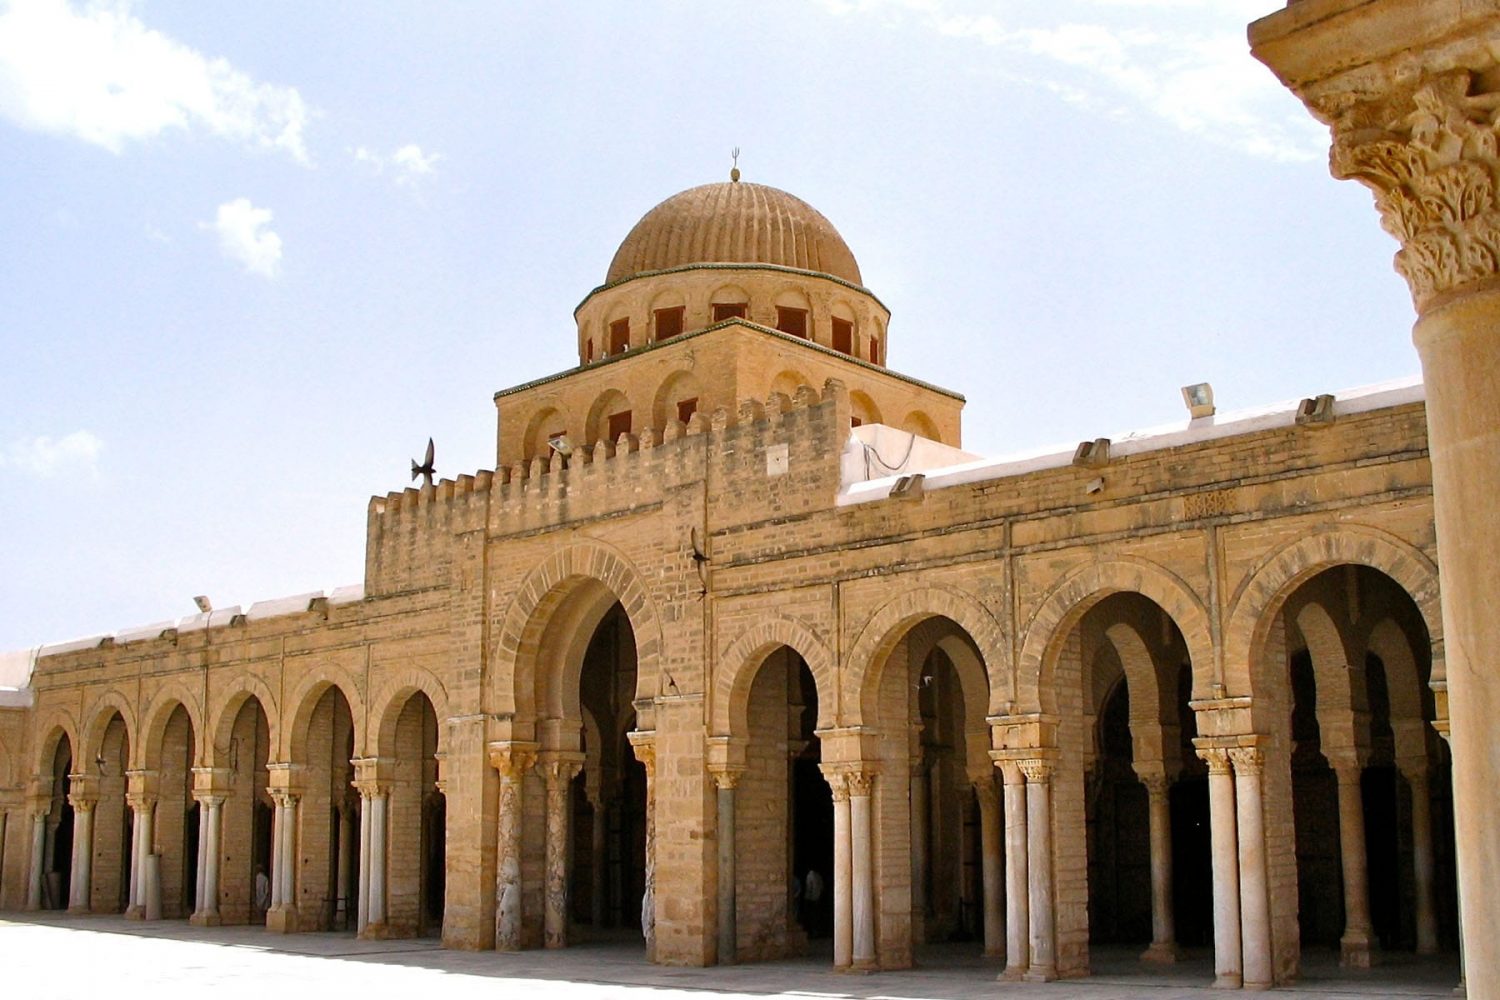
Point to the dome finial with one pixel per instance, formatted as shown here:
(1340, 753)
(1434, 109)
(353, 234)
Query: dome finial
(734, 167)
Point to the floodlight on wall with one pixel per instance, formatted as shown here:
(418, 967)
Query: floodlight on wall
(204, 604)
(560, 444)
(1199, 399)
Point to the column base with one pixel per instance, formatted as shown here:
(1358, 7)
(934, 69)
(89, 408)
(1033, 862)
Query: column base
(202, 919)
(1257, 986)
(1356, 952)
(1162, 953)
(282, 921)
(135, 912)
(374, 932)
(1013, 974)
(78, 909)
(1228, 982)
(1040, 975)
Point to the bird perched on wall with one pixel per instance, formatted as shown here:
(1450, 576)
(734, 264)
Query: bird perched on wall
(426, 469)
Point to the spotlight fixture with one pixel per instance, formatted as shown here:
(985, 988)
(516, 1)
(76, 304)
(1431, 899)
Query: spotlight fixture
(1199, 399)
(560, 444)
(204, 604)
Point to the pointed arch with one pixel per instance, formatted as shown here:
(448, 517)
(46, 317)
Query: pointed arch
(741, 660)
(240, 689)
(539, 597)
(298, 710)
(57, 724)
(391, 697)
(1260, 596)
(1086, 586)
(159, 710)
(100, 713)
(894, 619)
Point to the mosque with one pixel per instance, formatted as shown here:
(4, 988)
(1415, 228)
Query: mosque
(735, 618)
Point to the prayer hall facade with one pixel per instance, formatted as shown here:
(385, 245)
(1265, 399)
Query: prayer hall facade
(735, 618)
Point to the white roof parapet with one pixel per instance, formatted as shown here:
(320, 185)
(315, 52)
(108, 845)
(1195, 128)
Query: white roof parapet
(1362, 399)
(278, 606)
(16, 668)
(352, 594)
(211, 619)
(144, 632)
(72, 645)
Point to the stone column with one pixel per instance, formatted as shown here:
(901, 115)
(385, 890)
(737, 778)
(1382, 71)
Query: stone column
(1224, 844)
(81, 882)
(558, 770)
(1422, 859)
(991, 865)
(362, 894)
(843, 874)
(1017, 878)
(1354, 946)
(282, 915)
(207, 914)
(725, 780)
(1409, 92)
(1163, 928)
(862, 865)
(373, 801)
(38, 871)
(512, 760)
(643, 743)
(1043, 965)
(1255, 890)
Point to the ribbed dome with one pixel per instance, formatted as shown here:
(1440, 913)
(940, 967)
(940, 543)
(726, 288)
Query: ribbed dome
(733, 223)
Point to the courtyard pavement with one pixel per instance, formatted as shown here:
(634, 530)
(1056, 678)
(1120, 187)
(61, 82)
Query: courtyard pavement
(56, 955)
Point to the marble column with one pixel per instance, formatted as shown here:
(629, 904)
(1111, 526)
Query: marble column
(1407, 89)
(558, 771)
(843, 875)
(373, 861)
(1043, 966)
(1355, 946)
(1255, 890)
(1422, 859)
(1017, 878)
(38, 856)
(144, 807)
(362, 894)
(1224, 845)
(991, 866)
(207, 914)
(1163, 927)
(643, 743)
(862, 865)
(80, 884)
(725, 781)
(283, 913)
(512, 760)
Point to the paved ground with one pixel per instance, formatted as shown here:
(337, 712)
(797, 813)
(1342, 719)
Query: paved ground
(56, 956)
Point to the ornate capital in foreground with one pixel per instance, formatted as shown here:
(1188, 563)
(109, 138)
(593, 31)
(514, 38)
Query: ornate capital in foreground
(1430, 151)
(1217, 759)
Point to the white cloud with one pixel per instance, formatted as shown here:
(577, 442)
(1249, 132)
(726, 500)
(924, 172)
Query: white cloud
(44, 457)
(408, 162)
(1184, 62)
(100, 75)
(245, 236)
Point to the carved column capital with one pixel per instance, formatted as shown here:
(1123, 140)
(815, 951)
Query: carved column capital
(726, 776)
(1156, 784)
(559, 767)
(512, 758)
(1036, 769)
(1248, 760)
(643, 743)
(1217, 759)
(861, 783)
(837, 783)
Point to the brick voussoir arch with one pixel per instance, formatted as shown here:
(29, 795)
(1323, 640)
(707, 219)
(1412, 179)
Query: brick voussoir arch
(225, 708)
(99, 713)
(55, 724)
(154, 721)
(1080, 590)
(303, 700)
(390, 698)
(741, 660)
(590, 560)
(1258, 600)
(891, 622)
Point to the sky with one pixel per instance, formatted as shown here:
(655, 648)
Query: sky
(256, 254)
